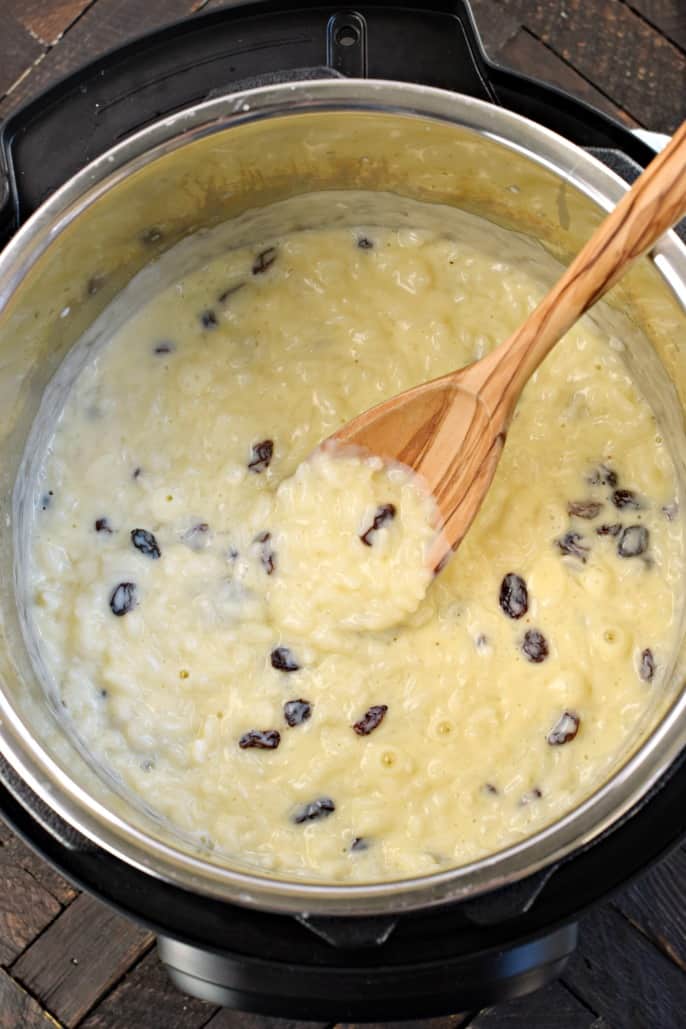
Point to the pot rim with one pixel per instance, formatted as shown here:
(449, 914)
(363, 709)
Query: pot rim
(610, 802)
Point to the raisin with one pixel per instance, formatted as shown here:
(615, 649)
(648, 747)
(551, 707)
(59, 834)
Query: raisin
(264, 260)
(527, 798)
(359, 843)
(365, 243)
(490, 788)
(535, 646)
(384, 513)
(322, 807)
(165, 347)
(229, 292)
(371, 720)
(123, 598)
(603, 476)
(646, 669)
(208, 319)
(103, 525)
(197, 536)
(267, 554)
(514, 596)
(634, 541)
(146, 543)
(609, 530)
(572, 543)
(564, 730)
(584, 508)
(263, 739)
(262, 454)
(297, 711)
(136, 472)
(46, 500)
(283, 660)
(626, 499)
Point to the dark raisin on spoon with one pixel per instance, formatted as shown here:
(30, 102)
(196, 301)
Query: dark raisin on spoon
(603, 476)
(626, 499)
(283, 660)
(262, 739)
(297, 711)
(634, 541)
(535, 646)
(371, 720)
(385, 513)
(514, 596)
(646, 668)
(103, 525)
(565, 729)
(262, 454)
(267, 552)
(264, 260)
(123, 598)
(365, 243)
(609, 530)
(146, 543)
(584, 508)
(572, 543)
(322, 807)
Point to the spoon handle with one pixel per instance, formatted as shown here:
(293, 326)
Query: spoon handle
(655, 202)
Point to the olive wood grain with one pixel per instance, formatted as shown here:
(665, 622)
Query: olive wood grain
(452, 430)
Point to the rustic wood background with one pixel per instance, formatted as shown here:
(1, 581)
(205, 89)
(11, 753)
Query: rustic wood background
(66, 959)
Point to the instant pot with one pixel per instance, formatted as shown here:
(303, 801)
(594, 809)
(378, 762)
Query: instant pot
(103, 173)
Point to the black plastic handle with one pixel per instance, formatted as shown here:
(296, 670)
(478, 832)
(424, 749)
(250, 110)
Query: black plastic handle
(55, 135)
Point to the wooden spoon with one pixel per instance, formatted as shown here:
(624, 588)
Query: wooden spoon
(451, 431)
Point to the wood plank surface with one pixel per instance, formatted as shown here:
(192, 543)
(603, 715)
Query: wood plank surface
(15, 853)
(667, 16)
(147, 998)
(656, 904)
(642, 72)
(551, 1008)
(528, 55)
(18, 50)
(47, 20)
(225, 1019)
(26, 908)
(18, 1010)
(79, 957)
(623, 976)
(104, 25)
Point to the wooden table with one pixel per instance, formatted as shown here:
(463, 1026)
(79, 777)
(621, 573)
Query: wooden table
(65, 956)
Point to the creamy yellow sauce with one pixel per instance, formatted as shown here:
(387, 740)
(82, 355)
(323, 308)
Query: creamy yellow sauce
(228, 644)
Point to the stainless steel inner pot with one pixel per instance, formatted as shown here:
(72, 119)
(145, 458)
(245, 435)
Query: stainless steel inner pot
(195, 170)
